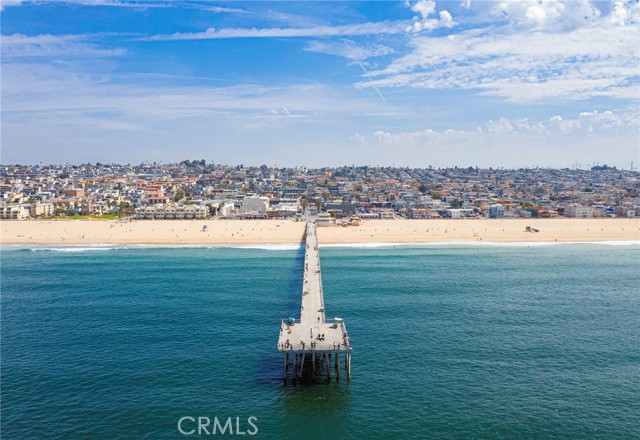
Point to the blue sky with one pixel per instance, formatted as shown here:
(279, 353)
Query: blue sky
(416, 83)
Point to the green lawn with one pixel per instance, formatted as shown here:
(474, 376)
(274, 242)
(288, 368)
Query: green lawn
(108, 216)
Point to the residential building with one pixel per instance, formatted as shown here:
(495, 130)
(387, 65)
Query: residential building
(575, 211)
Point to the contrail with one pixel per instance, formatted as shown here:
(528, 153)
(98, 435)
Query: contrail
(371, 82)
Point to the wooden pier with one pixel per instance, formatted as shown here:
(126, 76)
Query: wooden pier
(312, 339)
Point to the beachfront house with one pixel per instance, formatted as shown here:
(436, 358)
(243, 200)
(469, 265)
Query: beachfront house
(576, 211)
(496, 211)
(172, 212)
(14, 212)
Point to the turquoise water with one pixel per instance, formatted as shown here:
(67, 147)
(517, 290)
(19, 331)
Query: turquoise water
(449, 342)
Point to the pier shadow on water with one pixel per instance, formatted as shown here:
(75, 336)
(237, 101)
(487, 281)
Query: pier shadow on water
(294, 289)
(268, 370)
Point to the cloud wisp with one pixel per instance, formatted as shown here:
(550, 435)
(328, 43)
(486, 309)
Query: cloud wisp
(25, 46)
(599, 58)
(6, 3)
(422, 21)
(349, 49)
(371, 28)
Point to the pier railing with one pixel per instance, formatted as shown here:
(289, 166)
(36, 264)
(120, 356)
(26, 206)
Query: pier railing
(312, 336)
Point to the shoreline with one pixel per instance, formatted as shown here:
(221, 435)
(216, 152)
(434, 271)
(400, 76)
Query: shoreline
(88, 247)
(290, 233)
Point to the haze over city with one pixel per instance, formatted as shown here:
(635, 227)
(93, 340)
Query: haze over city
(467, 83)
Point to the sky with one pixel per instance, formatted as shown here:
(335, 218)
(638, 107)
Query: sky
(527, 83)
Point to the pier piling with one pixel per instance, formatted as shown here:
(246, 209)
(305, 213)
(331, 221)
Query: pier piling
(286, 364)
(301, 366)
(293, 376)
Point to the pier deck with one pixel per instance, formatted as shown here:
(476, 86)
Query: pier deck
(313, 333)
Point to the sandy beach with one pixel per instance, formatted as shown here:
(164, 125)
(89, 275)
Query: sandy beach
(487, 230)
(234, 232)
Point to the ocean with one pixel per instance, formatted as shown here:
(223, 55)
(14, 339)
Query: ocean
(462, 341)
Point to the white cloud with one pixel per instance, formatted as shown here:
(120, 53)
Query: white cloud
(626, 125)
(592, 136)
(377, 28)
(560, 125)
(596, 59)
(424, 7)
(422, 22)
(548, 14)
(133, 4)
(34, 92)
(59, 112)
(226, 10)
(19, 45)
(7, 3)
(113, 3)
(389, 27)
(349, 49)
(625, 13)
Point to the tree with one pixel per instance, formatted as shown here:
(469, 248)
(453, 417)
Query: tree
(179, 196)
(122, 208)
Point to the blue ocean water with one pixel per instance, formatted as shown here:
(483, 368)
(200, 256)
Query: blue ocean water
(449, 342)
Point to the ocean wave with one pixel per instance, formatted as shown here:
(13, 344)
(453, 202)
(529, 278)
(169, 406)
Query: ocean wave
(72, 249)
(266, 247)
(111, 247)
(101, 247)
(369, 245)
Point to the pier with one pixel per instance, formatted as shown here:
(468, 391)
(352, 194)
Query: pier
(312, 339)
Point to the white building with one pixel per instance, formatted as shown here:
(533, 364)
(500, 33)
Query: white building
(14, 212)
(44, 209)
(255, 204)
(324, 219)
(576, 211)
(172, 212)
(387, 214)
(286, 209)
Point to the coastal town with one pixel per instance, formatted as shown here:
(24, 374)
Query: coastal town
(194, 189)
